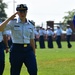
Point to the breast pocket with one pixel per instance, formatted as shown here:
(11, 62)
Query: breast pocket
(28, 32)
(17, 31)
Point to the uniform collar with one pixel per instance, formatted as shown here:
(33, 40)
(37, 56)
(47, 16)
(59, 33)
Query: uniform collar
(19, 21)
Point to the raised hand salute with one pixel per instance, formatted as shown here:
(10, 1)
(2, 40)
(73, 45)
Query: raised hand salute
(3, 24)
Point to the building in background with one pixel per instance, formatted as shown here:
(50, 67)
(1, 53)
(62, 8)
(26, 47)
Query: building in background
(63, 27)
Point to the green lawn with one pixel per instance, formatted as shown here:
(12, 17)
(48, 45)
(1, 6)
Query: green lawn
(51, 61)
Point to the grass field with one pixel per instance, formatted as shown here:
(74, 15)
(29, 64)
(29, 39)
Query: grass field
(51, 61)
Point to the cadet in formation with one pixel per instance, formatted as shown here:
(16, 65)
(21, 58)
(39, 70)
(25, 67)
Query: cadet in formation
(58, 35)
(42, 35)
(68, 36)
(50, 37)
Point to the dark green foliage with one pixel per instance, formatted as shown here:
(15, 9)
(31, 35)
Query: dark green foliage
(3, 15)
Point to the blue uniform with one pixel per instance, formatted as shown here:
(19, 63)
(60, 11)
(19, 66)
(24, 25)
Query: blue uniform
(58, 37)
(68, 36)
(2, 56)
(49, 38)
(41, 38)
(21, 51)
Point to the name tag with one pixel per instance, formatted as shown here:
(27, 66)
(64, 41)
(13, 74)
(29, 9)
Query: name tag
(17, 28)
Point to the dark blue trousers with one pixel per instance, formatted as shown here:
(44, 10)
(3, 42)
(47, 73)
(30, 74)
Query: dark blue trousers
(2, 58)
(68, 41)
(50, 42)
(58, 41)
(41, 42)
(19, 55)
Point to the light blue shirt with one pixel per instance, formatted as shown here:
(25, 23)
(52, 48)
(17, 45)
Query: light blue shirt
(20, 32)
(35, 32)
(1, 37)
(8, 32)
(49, 32)
(42, 32)
(58, 32)
(68, 31)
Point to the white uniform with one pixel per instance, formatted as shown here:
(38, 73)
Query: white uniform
(21, 32)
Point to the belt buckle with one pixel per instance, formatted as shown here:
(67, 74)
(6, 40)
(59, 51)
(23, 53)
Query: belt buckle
(25, 45)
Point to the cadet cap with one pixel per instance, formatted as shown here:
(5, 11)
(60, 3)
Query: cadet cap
(48, 27)
(21, 7)
(58, 26)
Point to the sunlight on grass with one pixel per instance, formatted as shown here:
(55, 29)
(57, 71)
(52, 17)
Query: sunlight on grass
(51, 61)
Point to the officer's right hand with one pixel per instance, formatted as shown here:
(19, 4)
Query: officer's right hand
(13, 16)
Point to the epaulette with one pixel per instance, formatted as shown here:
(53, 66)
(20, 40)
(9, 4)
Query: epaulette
(31, 23)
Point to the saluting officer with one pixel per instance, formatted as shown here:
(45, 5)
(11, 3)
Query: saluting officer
(68, 36)
(58, 34)
(23, 47)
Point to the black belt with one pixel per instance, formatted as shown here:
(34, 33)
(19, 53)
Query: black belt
(24, 45)
(1, 42)
(58, 35)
